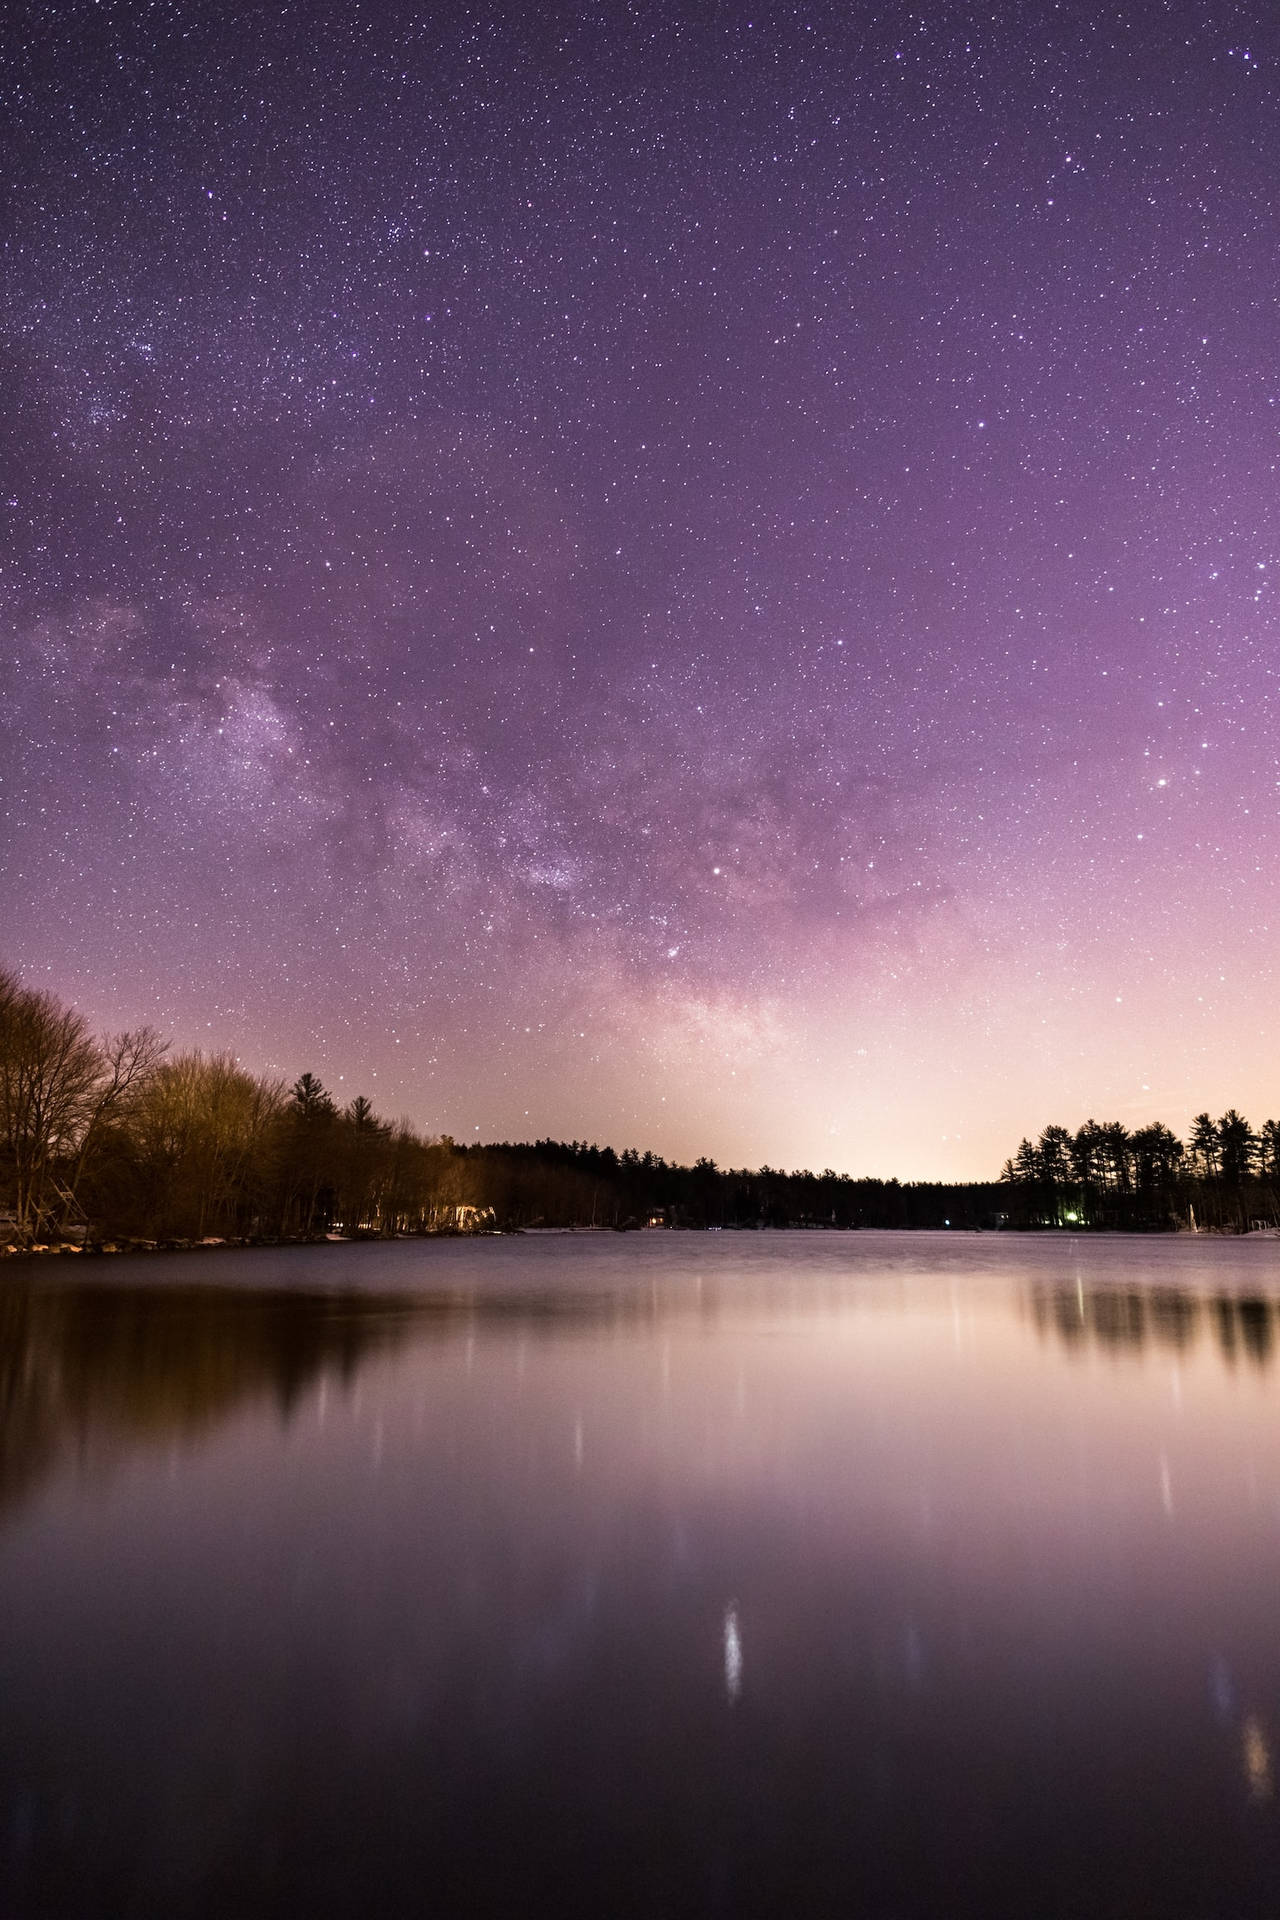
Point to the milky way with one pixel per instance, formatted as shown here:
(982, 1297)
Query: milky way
(696, 576)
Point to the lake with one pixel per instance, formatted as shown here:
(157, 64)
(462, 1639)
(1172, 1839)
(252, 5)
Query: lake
(643, 1575)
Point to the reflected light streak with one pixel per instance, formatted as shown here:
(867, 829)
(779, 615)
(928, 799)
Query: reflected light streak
(1257, 1760)
(732, 1655)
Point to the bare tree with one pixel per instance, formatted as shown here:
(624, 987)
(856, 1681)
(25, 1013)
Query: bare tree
(203, 1129)
(129, 1062)
(51, 1071)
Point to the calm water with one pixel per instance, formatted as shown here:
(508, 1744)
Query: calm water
(651, 1575)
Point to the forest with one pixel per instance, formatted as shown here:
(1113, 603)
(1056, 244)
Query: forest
(118, 1141)
(1224, 1179)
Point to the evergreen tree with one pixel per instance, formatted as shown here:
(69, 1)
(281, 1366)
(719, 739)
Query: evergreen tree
(1237, 1148)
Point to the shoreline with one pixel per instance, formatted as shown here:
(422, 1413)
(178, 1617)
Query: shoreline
(112, 1250)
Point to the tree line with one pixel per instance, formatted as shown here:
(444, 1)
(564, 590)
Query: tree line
(118, 1140)
(1224, 1177)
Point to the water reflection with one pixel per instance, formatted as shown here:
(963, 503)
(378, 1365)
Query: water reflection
(1257, 1759)
(439, 1597)
(1130, 1320)
(91, 1371)
(732, 1655)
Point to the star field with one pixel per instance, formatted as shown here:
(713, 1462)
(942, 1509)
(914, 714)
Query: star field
(698, 576)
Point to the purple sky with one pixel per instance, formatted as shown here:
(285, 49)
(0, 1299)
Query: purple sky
(701, 577)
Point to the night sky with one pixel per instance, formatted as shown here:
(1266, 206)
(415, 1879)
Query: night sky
(698, 577)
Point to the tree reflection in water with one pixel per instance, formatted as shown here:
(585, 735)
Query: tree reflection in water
(93, 1370)
(1129, 1320)
(90, 1370)
(796, 1575)
(98, 1370)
